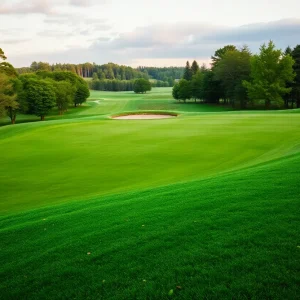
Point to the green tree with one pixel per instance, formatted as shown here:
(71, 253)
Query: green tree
(6, 67)
(288, 51)
(20, 104)
(197, 85)
(2, 55)
(41, 96)
(141, 85)
(95, 76)
(109, 73)
(216, 58)
(187, 75)
(101, 75)
(185, 90)
(296, 84)
(289, 97)
(81, 94)
(80, 85)
(64, 93)
(195, 68)
(270, 71)
(175, 91)
(220, 53)
(231, 70)
(212, 91)
(7, 97)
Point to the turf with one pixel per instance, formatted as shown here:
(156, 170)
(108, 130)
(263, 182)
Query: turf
(206, 204)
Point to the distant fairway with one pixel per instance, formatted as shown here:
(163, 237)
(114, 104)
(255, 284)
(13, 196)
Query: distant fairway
(206, 204)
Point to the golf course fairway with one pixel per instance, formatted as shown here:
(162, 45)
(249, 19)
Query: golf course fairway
(204, 205)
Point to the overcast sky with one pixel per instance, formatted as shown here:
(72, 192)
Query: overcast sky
(136, 32)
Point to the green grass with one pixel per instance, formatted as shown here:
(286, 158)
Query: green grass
(107, 103)
(208, 201)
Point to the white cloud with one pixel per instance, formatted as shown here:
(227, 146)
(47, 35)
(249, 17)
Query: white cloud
(26, 7)
(172, 43)
(86, 3)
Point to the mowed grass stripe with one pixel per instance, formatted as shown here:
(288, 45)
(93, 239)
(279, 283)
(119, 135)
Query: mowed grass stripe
(234, 236)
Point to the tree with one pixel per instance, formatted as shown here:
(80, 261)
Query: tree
(7, 92)
(187, 75)
(6, 67)
(95, 76)
(288, 51)
(20, 104)
(7, 97)
(231, 70)
(289, 97)
(185, 91)
(220, 53)
(175, 91)
(80, 85)
(211, 88)
(101, 75)
(81, 94)
(65, 93)
(196, 85)
(2, 56)
(41, 96)
(270, 71)
(194, 68)
(109, 73)
(296, 84)
(141, 85)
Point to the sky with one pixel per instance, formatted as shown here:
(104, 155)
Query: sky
(136, 32)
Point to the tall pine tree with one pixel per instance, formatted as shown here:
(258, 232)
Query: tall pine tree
(195, 67)
(187, 75)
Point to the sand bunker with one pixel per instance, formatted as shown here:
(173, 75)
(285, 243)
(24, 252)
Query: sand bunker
(143, 117)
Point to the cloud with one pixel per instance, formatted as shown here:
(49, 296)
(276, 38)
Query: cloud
(104, 39)
(79, 21)
(86, 3)
(26, 7)
(260, 32)
(198, 40)
(10, 31)
(46, 7)
(102, 27)
(13, 41)
(54, 33)
(161, 35)
(180, 41)
(61, 19)
(95, 21)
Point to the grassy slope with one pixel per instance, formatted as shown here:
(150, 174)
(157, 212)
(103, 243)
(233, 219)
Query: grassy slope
(231, 232)
(230, 237)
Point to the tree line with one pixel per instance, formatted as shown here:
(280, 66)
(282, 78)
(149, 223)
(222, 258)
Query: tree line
(165, 74)
(111, 85)
(243, 80)
(162, 77)
(37, 93)
(139, 85)
(121, 85)
(108, 71)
